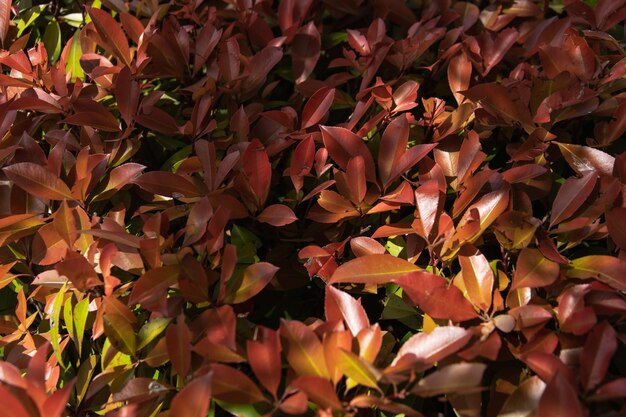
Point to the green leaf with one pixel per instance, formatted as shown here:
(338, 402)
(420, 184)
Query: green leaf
(55, 318)
(72, 19)
(151, 330)
(246, 243)
(67, 318)
(120, 333)
(27, 18)
(52, 40)
(85, 372)
(81, 310)
(73, 58)
(357, 369)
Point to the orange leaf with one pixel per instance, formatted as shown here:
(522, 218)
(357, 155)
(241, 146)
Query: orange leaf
(277, 215)
(373, 269)
(305, 351)
(193, 400)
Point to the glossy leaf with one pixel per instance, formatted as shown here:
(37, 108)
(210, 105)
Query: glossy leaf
(373, 269)
(340, 306)
(424, 349)
(534, 270)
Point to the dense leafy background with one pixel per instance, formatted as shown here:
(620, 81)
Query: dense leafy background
(312, 207)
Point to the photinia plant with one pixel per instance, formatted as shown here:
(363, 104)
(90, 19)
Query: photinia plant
(270, 208)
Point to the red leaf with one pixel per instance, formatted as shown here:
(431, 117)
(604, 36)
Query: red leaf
(559, 399)
(79, 271)
(363, 246)
(573, 55)
(546, 366)
(343, 145)
(615, 389)
(523, 401)
(392, 146)
(250, 282)
(616, 225)
(103, 120)
(459, 75)
(302, 162)
(584, 158)
(424, 349)
(426, 208)
(496, 99)
(264, 357)
(111, 34)
(340, 306)
(152, 286)
(572, 194)
(178, 341)
(234, 386)
(56, 403)
(317, 107)
(127, 94)
(319, 391)
(38, 181)
(11, 406)
(277, 215)
(355, 179)
(435, 297)
(193, 400)
(597, 353)
(229, 62)
(258, 171)
(5, 19)
(457, 378)
(167, 183)
(534, 270)
(119, 177)
(373, 269)
(305, 52)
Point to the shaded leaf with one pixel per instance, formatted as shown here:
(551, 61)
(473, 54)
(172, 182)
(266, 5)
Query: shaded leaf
(456, 378)
(233, 386)
(250, 282)
(277, 215)
(36, 180)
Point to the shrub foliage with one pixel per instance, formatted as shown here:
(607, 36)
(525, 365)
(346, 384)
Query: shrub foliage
(312, 207)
